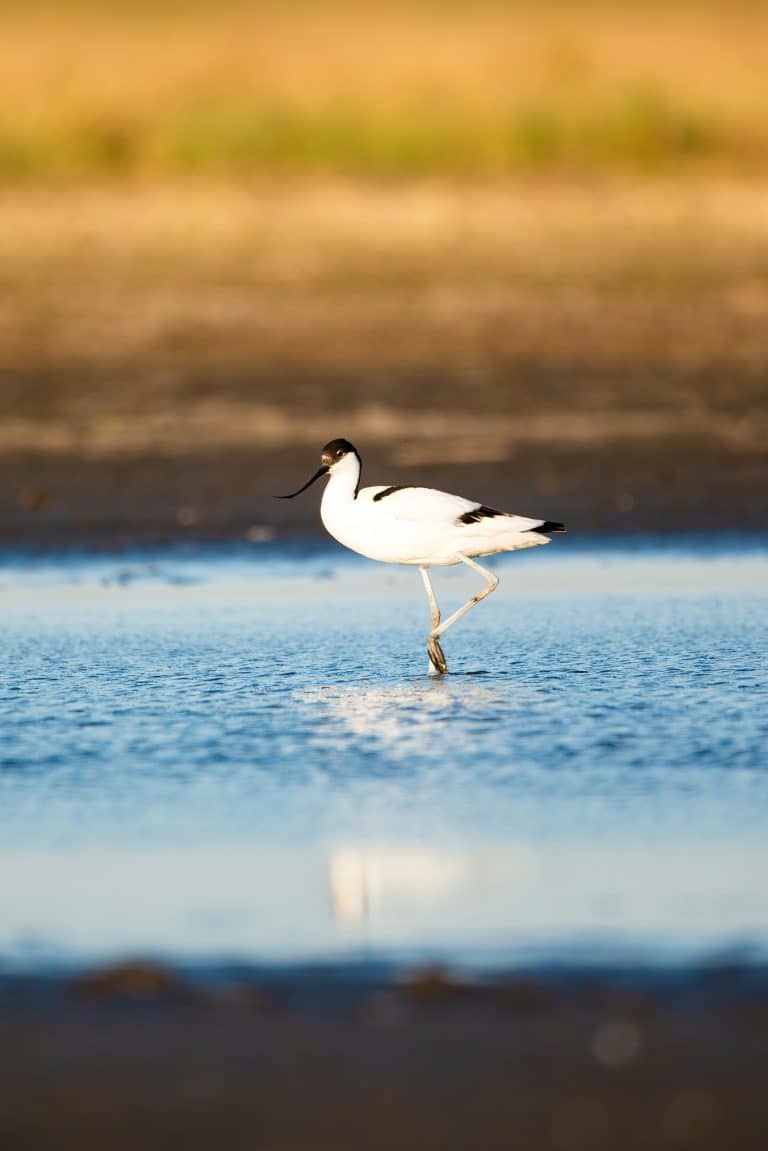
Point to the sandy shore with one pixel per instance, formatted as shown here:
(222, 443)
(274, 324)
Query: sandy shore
(140, 1057)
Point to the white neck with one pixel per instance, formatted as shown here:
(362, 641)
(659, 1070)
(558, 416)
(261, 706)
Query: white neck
(344, 478)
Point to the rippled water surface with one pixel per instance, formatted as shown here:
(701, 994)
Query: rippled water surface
(239, 755)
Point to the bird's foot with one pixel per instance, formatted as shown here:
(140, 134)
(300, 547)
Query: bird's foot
(437, 662)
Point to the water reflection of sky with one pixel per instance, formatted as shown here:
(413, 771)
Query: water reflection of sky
(239, 754)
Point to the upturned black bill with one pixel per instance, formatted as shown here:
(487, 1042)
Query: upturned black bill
(320, 472)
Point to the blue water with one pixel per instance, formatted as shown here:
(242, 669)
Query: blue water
(237, 754)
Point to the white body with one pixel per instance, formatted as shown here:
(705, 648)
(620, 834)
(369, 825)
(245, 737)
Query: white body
(418, 526)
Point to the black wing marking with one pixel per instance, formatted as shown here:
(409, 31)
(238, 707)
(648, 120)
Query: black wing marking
(390, 491)
(481, 512)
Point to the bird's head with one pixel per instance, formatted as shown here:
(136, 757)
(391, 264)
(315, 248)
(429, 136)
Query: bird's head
(337, 457)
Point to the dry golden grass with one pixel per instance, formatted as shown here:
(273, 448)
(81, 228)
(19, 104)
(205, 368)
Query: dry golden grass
(382, 88)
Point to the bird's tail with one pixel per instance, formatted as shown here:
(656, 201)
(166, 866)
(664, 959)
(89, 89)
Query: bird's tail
(539, 534)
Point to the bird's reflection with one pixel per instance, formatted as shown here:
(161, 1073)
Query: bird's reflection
(348, 881)
(418, 725)
(363, 880)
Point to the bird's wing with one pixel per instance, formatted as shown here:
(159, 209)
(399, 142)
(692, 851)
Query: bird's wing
(419, 505)
(408, 504)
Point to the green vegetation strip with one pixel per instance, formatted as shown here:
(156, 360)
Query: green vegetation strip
(641, 129)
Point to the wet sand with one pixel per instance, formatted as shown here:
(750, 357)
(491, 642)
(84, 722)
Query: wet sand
(55, 501)
(140, 1056)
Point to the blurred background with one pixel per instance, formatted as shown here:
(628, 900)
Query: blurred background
(515, 249)
(519, 249)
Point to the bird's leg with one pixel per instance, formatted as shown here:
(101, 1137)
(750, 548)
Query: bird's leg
(434, 610)
(492, 584)
(437, 664)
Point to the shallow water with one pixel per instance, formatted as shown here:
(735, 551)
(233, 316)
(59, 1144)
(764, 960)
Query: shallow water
(237, 754)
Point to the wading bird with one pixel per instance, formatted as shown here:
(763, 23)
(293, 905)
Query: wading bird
(398, 524)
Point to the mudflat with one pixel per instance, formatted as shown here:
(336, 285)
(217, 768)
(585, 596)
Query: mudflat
(136, 1056)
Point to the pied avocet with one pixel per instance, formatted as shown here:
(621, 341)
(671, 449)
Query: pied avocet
(399, 524)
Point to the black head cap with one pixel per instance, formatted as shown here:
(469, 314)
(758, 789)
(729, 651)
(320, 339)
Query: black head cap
(336, 450)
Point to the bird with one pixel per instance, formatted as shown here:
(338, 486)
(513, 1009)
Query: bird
(422, 527)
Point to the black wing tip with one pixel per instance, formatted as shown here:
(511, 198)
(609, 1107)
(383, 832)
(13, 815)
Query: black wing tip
(549, 526)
